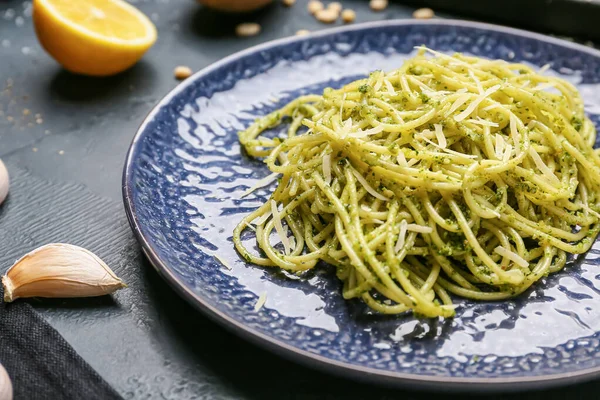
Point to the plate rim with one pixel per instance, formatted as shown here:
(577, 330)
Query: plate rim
(361, 373)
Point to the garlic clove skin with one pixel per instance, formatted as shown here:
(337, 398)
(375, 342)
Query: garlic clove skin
(6, 390)
(59, 270)
(4, 182)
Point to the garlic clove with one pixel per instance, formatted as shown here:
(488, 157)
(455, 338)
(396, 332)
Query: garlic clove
(4, 182)
(59, 270)
(6, 391)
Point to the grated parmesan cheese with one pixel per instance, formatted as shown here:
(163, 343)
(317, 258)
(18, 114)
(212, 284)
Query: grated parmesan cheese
(222, 261)
(401, 158)
(507, 153)
(279, 227)
(541, 165)
(459, 102)
(368, 187)
(327, 168)
(250, 226)
(368, 132)
(442, 55)
(439, 134)
(419, 228)
(481, 122)
(424, 88)
(390, 87)
(491, 107)
(401, 236)
(427, 134)
(262, 299)
(456, 153)
(477, 82)
(346, 128)
(511, 255)
(366, 208)
(544, 86)
(291, 238)
(263, 218)
(500, 144)
(267, 180)
(379, 82)
(476, 103)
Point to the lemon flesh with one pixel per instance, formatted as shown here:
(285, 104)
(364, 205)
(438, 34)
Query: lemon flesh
(93, 37)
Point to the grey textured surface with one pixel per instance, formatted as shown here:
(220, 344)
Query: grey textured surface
(66, 174)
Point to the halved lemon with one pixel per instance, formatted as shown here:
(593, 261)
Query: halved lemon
(93, 37)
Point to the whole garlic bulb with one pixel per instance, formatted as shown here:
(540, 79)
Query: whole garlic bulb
(4, 182)
(235, 5)
(6, 391)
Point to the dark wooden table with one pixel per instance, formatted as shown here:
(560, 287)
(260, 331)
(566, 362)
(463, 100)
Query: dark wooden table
(64, 140)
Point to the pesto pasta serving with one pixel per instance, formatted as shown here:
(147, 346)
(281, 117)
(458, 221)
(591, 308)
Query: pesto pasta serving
(452, 175)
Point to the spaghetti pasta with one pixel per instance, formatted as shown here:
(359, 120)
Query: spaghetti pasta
(453, 175)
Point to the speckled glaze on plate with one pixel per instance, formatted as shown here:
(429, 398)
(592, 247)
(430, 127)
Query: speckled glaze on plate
(182, 184)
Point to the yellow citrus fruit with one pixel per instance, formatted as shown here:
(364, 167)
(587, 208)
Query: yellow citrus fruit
(93, 37)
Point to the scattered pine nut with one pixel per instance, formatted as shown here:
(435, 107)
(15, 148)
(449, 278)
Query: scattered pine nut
(423, 13)
(288, 3)
(378, 5)
(247, 29)
(336, 5)
(182, 72)
(303, 32)
(315, 6)
(327, 16)
(348, 16)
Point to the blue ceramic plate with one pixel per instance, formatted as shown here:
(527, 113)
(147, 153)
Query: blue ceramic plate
(185, 174)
